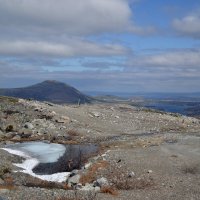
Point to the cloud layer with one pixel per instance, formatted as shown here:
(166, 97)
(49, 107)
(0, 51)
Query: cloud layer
(66, 16)
(96, 45)
(72, 48)
(188, 25)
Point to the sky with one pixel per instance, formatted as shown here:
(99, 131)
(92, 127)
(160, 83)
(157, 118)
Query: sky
(101, 45)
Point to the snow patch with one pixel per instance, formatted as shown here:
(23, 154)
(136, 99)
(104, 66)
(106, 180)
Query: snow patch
(31, 162)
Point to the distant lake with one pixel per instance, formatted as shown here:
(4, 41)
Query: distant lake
(183, 108)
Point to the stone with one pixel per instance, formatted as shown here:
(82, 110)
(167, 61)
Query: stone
(88, 187)
(87, 165)
(28, 125)
(74, 172)
(1, 182)
(16, 137)
(96, 114)
(63, 119)
(101, 182)
(131, 174)
(10, 135)
(2, 135)
(97, 189)
(74, 180)
(78, 186)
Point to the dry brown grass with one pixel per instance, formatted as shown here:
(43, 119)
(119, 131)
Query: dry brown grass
(8, 183)
(118, 177)
(73, 133)
(109, 190)
(4, 169)
(151, 141)
(67, 142)
(133, 184)
(191, 169)
(7, 187)
(34, 182)
(90, 176)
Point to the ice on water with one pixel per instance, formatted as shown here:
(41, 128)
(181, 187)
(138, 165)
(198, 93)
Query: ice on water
(38, 152)
(43, 152)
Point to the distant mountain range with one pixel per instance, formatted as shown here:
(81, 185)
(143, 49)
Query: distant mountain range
(50, 90)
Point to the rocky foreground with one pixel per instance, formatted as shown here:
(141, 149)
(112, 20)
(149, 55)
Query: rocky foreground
(143, 154)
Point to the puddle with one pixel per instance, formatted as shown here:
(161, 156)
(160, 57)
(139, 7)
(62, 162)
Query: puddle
(74, 157)
(44, 159)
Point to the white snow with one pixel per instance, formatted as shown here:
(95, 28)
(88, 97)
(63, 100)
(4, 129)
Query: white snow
(44, 152)
(37, 153)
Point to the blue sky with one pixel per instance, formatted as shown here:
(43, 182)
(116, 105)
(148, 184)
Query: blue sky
(101, 45)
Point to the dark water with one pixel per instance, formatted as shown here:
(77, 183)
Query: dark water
(183, 108)
(74, 158)
(54, 158)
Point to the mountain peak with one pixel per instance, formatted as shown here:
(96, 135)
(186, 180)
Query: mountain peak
(49, 90)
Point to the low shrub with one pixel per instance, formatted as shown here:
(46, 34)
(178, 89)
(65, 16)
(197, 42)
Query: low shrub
(4, 169)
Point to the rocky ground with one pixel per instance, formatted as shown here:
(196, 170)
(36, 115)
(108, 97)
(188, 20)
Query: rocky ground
(144, 154)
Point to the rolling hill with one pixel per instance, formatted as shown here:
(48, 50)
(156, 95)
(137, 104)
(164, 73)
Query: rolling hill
(50, 90)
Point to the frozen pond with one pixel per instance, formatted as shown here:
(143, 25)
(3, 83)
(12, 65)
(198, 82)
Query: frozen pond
(51, 161)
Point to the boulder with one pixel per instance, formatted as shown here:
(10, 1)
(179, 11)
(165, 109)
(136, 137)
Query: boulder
(101, 182)
(16, 137)
(74, 180)
(90, 187)
(131, 174)
(28, 125)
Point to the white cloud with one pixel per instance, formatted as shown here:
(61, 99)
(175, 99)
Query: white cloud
(188, 25)
(66, 16)
(72, 48)
(176, 59)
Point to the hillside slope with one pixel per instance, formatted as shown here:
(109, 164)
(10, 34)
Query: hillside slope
(52, 91)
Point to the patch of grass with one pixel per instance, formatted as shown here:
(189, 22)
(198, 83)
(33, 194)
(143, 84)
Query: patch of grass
(151, 141)
(10, 99)
(10, 112)
(134, 184)
(191, 169)
(90, 176)
(109, 190)
(118, 177)
(73, 133)
(148, 110)
(47, 117)
(4, 169)
(34, 182)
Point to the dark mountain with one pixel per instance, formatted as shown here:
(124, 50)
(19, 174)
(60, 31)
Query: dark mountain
(52, 91)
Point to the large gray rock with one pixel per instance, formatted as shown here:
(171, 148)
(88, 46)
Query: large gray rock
(2, 135)
(73, 180)
(90, 187)
(28, 125)
(101, 182)
(16, 137)
(10, 134)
